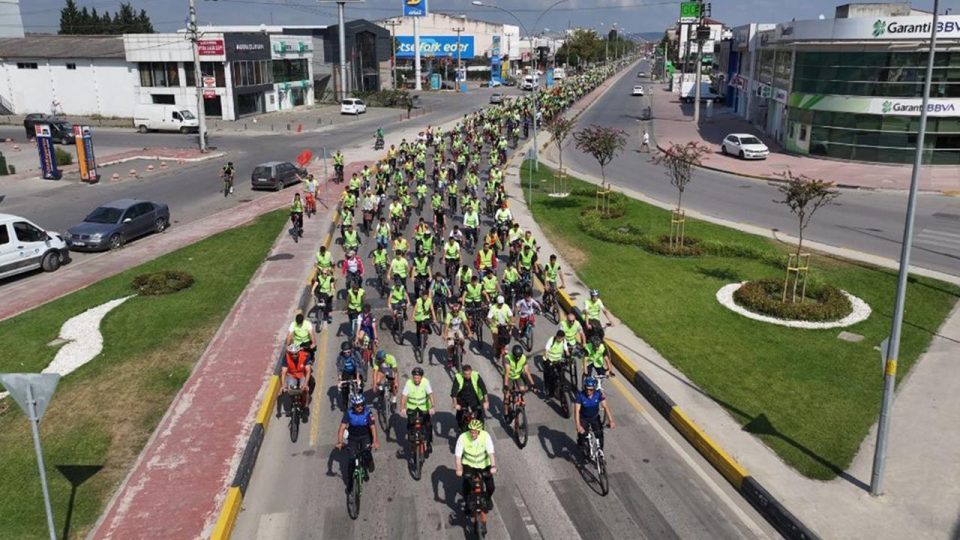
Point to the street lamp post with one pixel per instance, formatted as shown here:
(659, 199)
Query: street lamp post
(536, 107)
(459, 30)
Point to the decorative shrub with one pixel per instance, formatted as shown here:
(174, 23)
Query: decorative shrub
(163, 282)
(385, 98)
(822, 302)
(63, 157)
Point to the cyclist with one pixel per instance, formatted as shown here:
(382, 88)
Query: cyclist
(421, 271)
(360, 424)
(597, 358)
(471, 224)
(310, 190)
(511, 282)
(399, 269)
(348, 367)
(464, 277)
(486, 259)
(385, 367)
(451, 256)
(365, 325)
(295, 372)
(351, 238)
(399, 300)
(491, 288)
(383, 233)
(322, 290)
(469, 393)
(500, 320)
(586, 409)
(474, 454)
(527, 261)
(572, 331)
(525, 309)
(355, 295)
(423, 312)
(379, 136)
(554, 353)
(352, 267)
(417, 398)
(301, 335)
(591, 309)
(400, 244)
(227, 173)
(551, 273)
(338, 165)
(491, 239)
(456, 327)
(324, 260)
(515, 371)
(296, 212)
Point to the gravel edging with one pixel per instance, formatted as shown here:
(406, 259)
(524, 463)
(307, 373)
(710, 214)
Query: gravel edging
(860, 312)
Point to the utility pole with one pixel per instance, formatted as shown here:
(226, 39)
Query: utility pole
(701, 38)
(198, 76)
(893, 346)
(393, 51)
(343, 50)
(416, 53)
(459, 30)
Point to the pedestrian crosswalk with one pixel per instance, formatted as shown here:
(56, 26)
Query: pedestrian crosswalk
(945, 240)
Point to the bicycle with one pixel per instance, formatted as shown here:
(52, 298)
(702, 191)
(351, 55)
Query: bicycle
(321, 311)
(399, 316)
(348, 389)
(550, 306)
(516, 416)
(311, 204)
(339, 171)
(418, 445)
(227, 184)
(456, 360)
(525, 335)
(386, 400)
(298, 404)
(596, 457)
(356, 485)
(381, 279)
(476, 505)
(297, 230)
(423, 335)
(477, 321)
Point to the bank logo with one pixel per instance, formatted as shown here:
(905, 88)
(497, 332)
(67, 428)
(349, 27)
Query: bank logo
(887, 106)
(879, 28)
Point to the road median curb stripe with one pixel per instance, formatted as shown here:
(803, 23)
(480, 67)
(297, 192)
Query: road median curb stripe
(726, 465)
(263, 415)
(231, 507)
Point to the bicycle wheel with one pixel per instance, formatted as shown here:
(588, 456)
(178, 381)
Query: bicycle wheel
(353, 496)
(294, 424)
(564, 405)
(601, 465)
(479, 528)
(397, 330)
(417, 461)
(528, 338)
(520, 426)
(382, 412)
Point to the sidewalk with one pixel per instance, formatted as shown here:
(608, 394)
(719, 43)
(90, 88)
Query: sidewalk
(673, 122)
(922, 483)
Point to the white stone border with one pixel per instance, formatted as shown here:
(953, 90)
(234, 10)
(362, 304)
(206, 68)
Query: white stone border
(859, 313)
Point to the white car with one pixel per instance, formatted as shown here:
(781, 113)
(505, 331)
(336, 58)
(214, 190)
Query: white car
(744, 145)
(638, 90)
(25, 247)
(353, 106)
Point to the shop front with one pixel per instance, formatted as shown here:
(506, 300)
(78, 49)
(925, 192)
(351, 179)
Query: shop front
(248, 58)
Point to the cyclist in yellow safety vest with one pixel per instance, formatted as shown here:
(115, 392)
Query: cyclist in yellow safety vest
(515, 371)
(423, 312)
(323, 290)
(597, 358)
(491, 288)
(417, 399)
(474, 455)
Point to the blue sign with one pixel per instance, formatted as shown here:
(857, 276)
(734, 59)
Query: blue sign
(414, 8)
(550, 78)
(436, 46)
(48, 157)
(495, 70)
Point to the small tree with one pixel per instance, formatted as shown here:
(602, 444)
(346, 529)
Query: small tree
(561, 128)
(603, 143)
(679, 160)
(803, 196)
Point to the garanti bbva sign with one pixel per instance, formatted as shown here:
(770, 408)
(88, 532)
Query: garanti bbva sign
(868, 29)
(881, 106)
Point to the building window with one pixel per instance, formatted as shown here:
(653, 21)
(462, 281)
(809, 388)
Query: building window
(208, 69)
(71, 65)
(290, 70)
(876, 74)
(26, 65)
(163, 99)
(252, 72)
(159, 74)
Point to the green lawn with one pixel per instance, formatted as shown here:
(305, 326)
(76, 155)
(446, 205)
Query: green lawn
(809, 396)
(103, 413)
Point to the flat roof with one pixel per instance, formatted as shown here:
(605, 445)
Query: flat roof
(52, 46)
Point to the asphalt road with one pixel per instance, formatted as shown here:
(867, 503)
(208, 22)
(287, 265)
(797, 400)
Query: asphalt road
(867, 221)
(194, 190)
(660, 487)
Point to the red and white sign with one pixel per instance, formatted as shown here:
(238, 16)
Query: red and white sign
(209, 94)
(210, 47)
(209, 82)
(738, 82)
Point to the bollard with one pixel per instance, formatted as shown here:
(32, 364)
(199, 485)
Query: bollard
(115, 177)
(150, 167)
(299, 128)
(163, 164)
(133, 172)
(288, 126)
(16, 148)
(8, 140)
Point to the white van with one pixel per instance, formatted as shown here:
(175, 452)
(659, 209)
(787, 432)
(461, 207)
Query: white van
(352, 106)
(25, 247)
(156, 117)
(559, 74)
(530, 82)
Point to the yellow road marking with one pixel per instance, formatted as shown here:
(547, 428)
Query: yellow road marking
(634, 402)
(319, 365)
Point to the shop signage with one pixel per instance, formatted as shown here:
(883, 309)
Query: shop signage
(209, 82)
(48, 159)
(780, 95)
(880, 106)
(414, 8)
(689, 12)
(738, 82)
(210, 47)
(862, 28)
(85, 156)
(209, 94)
(444, 46)
(248, 47)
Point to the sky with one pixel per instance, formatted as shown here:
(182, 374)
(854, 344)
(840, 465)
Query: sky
(631, 15)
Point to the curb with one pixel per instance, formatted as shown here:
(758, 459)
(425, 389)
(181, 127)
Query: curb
(749, 487)
(241, 480)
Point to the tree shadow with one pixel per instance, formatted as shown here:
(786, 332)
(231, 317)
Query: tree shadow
(76, 475)
(726, 275)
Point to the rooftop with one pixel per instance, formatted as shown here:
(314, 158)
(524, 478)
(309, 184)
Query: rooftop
(51, 46)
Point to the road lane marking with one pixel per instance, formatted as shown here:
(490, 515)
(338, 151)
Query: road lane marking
(525, 515)
(315, 403)
(623, 391)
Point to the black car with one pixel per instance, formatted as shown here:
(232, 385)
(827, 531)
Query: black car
(275, 175)
(112, 225)
(61, 131)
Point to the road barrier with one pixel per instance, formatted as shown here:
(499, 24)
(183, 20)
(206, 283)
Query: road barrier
(749, 487)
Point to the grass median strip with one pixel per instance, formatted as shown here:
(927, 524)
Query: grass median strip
(103, 414)
(808, 395)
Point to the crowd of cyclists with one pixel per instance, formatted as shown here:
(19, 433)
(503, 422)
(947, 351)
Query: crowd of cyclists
(466, 268)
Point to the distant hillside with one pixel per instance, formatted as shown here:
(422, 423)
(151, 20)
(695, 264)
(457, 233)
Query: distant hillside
(649, 36)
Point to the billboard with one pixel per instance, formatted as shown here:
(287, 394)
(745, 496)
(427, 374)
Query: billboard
(85, 156)
(436, 46)
(869, 105)
(48, 157)
(414, 8)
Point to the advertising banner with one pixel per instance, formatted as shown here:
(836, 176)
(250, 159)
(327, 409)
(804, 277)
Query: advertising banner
(210, 47)
(549, 77)
(414, 8)
(48, 157)
(495, 70)
(868, 105)
(436, 46)
(689, 12)
(85, 156)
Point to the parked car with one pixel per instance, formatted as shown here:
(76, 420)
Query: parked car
(496, 97)
(744, 145)
(510, 81)
(641, 74)
(637, 90)
(61, 131)
(158, 117)
(275, 175)
(24, 247)
(113, 224)
(353, 106)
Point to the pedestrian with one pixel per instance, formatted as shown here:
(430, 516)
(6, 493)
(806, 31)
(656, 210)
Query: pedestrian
(645, 143)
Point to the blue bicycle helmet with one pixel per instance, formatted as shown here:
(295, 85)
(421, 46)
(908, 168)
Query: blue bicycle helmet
(356, 399)
(590, 382)
(381, 356)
